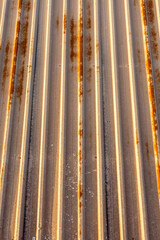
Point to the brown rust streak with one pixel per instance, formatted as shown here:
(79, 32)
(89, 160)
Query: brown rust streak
(88, 20)
(73, 40)
(23, 49)
(5, 68)
(89, 47)
(151, 90)
(153, 34)
(80, 130)
(15, 49)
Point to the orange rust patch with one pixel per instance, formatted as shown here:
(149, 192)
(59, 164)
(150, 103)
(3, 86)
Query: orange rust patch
(65, 23)
(80, 132)
(89, 47)
(73, 40)
(5, 68)
(1, 176)
(80, 91)
(89, 90)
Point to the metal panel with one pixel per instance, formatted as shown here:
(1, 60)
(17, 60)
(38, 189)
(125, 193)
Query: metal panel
(79, 119)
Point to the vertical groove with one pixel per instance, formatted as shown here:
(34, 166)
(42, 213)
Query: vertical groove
(119, 155)
(43, 126)
(61, 124)
(137, 147)
(24, 131)
(99, 134)
(80, 122)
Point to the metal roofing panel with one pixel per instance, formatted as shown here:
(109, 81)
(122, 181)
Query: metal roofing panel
(79, 119)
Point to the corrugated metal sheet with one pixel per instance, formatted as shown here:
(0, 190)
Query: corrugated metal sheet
(79, 119)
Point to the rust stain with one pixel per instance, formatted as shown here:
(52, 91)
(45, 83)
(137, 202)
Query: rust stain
(27, 6)
(157, 78)
(135, 2)
(147, 150)
(139, 58)
(1, 178)
(89, 74)
(89, 47)
(57, 23)
(5, 68)
(89, 90)
(73, 40)
(153, 34)
(80, 49)
(15, 50)
(23, 49)
(80, 132)
(88, 20)
(80, 94)
(65, 23)
(151, 88)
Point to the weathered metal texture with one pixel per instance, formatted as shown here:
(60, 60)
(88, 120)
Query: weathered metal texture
(79, 119)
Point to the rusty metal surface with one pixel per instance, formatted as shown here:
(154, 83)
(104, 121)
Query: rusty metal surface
(79, 119)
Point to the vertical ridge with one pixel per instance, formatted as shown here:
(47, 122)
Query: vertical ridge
(43, 126)
(119, 155)
(62, 123)
(9, 102)
(136, 134)
(99, 133)
(24, 131)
